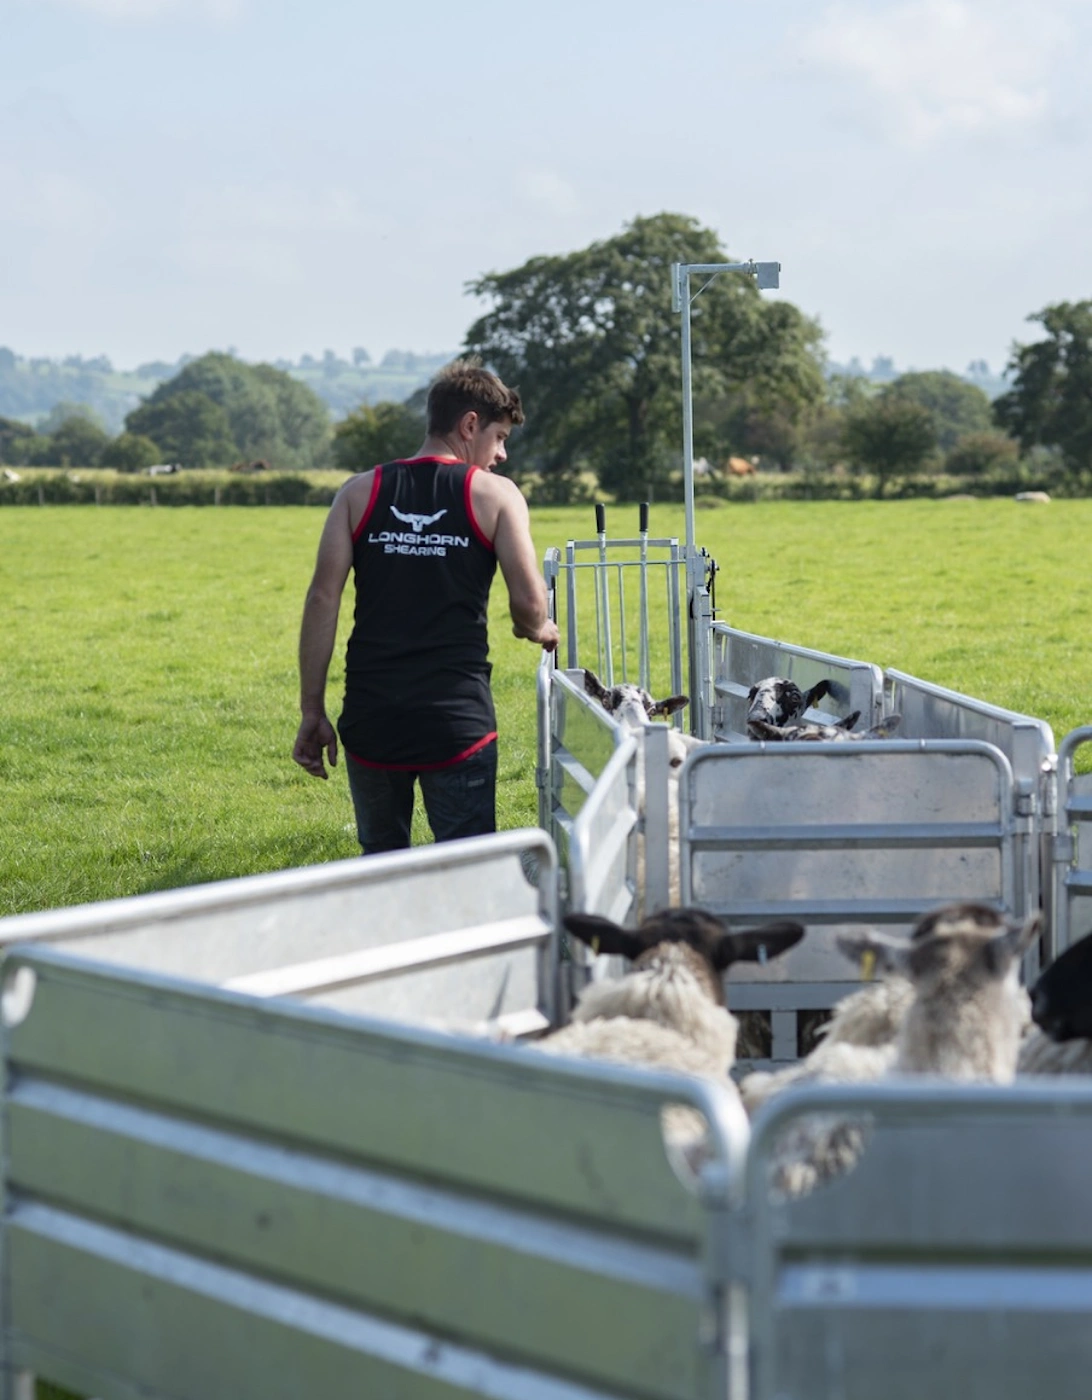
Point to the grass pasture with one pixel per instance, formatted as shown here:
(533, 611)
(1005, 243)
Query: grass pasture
(148, 670)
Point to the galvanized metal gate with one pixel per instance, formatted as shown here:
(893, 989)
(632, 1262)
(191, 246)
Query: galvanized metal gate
(1071, 835)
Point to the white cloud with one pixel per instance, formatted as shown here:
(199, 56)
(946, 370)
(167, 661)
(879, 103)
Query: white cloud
(140, 11)
(935, 68)
(547, 191)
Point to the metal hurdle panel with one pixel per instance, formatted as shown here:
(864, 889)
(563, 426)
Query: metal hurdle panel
(840, 835)
(620, 605)
(954, 1259)
(208, 1196)
(742, 659)
(933, 712)
(588, 794)
(438, 935)
(1071, 845)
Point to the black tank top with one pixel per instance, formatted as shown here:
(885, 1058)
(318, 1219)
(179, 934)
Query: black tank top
(417, 665)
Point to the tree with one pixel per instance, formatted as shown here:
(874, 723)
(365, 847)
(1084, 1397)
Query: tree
(983, 454)
(379, 433)
(63, 412)
(130, 452)
(265, 413)
(77, 443)
(592, 342)
(957, 407)
(188, 426)
(1050, 403)
(889, 436)
(14, 440)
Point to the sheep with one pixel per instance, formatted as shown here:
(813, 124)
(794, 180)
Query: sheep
(807, 730)
(964, 1021)
(857, 1043)
(778, 700)
(669, 1011)
(1061, 1007)
(635, 707)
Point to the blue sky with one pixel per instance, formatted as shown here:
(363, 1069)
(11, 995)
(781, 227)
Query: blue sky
(281, 177)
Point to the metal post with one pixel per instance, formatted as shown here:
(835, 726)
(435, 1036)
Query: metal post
(644, 667)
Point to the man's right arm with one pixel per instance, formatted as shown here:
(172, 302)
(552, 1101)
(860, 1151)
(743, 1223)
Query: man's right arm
(516, 555)
(318, 632)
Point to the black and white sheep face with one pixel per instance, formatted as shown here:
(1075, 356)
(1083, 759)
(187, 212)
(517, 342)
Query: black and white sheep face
(633, 700)
(1061, 1000)
(969, 944)
(808, 732)
(710, 938)
(776, 700)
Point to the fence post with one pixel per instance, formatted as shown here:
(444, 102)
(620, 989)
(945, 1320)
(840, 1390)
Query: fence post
(216, 496)
(152, 499)
(41, 494)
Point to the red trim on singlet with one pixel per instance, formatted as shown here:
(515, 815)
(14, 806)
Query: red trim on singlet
(425, 767)
(482, 539)
(376, 479)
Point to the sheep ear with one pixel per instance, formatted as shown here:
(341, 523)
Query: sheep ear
(756, 945)
(763, 729)
(885, 728)
(670, 705)
(892, 954)
(816, 693)
(752, 693)
(604, 936)
(594, 686)
(1012, 943)
(849, 721)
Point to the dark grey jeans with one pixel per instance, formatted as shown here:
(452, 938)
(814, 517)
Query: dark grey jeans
(459, 801)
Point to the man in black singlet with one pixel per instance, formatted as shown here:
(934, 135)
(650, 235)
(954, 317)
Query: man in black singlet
(423, 537)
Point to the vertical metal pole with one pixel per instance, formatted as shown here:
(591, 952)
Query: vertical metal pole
(644, 677)
(682, 303)
(620, 571)
(603, 593)
(570, 601)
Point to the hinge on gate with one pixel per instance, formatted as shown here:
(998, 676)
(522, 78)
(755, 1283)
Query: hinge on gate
(542, 778)
(729, 1260)
(1064, 849)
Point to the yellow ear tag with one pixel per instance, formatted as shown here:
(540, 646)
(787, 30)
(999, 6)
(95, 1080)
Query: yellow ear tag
(868, 964)
(595, 946)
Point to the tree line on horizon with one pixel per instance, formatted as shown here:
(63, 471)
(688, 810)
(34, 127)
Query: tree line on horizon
(590, 339)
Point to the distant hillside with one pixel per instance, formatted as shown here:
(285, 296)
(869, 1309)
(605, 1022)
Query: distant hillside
(883, 370)
(31, 388)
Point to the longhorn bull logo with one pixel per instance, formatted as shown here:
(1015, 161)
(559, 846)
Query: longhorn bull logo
(418, 521)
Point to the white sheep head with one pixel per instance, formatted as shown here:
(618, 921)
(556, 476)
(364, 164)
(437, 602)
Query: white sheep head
(631, 703)
(713, 946)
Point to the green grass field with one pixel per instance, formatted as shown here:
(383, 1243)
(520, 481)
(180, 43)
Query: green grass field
(148, 669)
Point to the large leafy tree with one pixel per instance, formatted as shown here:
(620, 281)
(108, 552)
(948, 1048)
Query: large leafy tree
(377, 433)
(187, 426)
(592, 342)
(264, 411)
(1050, 402)
(889, 436)
(958, 408)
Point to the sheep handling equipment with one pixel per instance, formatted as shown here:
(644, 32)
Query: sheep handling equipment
(967, 801)
(280, 1136)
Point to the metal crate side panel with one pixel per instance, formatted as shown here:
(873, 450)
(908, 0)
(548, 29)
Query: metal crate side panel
(320, 919)
(955, 1258)
(372, 1208)
(842, 834)
(742, 659)
(1071, 844)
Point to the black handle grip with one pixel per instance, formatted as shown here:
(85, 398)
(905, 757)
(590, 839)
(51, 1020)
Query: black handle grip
(644, 517)
(600, 518)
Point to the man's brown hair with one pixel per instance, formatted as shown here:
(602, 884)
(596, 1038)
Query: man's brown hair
(465, 387)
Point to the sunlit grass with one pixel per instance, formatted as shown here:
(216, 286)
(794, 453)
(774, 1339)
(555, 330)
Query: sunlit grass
(149, 681)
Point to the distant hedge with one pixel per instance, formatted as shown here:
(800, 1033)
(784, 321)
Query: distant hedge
(185, 489)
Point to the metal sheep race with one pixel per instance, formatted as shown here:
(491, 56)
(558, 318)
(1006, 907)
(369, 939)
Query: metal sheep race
(290, 1135)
